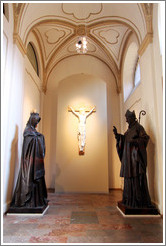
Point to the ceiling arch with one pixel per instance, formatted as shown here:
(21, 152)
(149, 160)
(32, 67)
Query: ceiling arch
(130, 13)
(129, 69)
(80, 65)
(56, 27)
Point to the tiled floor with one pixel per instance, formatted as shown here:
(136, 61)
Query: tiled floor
(82, 218)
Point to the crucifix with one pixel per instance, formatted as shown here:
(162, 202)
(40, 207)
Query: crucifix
(82, 114)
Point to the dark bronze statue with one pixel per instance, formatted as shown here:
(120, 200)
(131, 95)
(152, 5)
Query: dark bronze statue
(30, 191)
(131, 148)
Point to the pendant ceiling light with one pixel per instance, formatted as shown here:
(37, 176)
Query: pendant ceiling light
(81, 45)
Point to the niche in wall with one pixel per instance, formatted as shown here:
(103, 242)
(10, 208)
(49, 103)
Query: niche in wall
(87, 173)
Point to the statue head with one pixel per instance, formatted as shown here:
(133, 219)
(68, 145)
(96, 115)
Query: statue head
(33, 119)
(130, 116)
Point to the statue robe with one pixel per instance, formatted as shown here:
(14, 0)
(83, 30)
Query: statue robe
(30, 189)
(131, 148)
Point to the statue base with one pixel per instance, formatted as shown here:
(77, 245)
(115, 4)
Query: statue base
(126, 210)
(28, 211)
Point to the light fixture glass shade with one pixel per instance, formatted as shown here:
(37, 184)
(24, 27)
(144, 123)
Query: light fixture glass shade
(81, 45)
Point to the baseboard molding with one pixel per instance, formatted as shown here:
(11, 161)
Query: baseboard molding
(158, 207)
(51, 190)
(81, 192)
(5, 207)
(115, 189)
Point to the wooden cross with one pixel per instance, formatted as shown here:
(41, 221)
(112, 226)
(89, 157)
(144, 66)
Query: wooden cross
(86, 109)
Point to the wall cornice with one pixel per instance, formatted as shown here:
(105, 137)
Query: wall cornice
(148, 13)
(17, 13)
(17, 40)
(147, 40)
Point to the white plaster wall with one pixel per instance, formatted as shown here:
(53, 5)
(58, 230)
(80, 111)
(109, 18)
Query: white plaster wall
(12, 101)
(32, 93)
(50, 132)
(133, 100)
(88, 173)
(159, 75)
(149, 103)
(152, 101)
(149, 97)
(20, 94)
(113, 113)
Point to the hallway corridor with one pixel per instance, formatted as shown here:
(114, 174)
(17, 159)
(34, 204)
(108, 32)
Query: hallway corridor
(82, 218)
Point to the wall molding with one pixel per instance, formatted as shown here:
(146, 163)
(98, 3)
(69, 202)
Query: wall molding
(147, 40)
(135, 102)
(148, 14)
(38, 86)
(17, 40)
(6, 206)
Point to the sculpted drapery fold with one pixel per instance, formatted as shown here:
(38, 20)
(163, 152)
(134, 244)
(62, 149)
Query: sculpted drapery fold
(131, 148)
(30, 189)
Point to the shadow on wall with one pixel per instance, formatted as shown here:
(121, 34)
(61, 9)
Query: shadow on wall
(151, 163)
(14, 166)
(53, 131)
(57, 173)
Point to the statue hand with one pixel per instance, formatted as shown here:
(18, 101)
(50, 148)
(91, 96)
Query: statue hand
(114, 130)
(70, 108)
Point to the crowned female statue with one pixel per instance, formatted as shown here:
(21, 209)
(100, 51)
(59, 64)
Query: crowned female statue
(30, 190)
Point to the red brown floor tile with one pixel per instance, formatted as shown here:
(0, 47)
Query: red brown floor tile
(82, 218)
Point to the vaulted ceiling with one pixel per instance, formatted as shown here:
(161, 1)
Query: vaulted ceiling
(57, 26)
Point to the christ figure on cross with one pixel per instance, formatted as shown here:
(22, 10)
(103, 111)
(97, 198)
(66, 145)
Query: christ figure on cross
(81, 115)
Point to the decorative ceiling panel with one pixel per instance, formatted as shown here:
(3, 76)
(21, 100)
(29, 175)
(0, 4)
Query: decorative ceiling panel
(82, 11)
(112, 37)
(52, 36)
